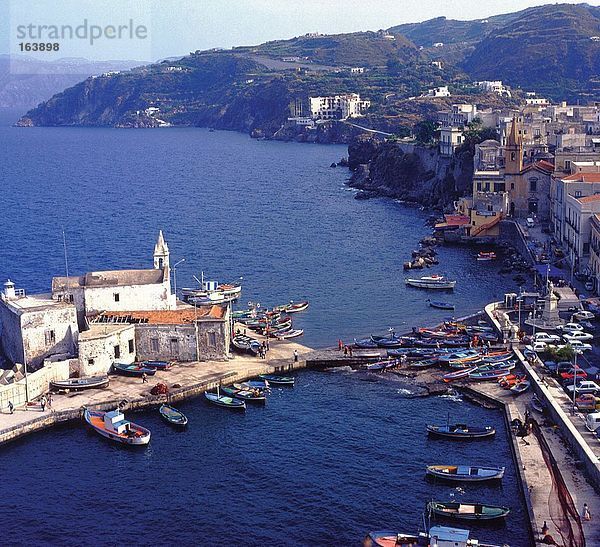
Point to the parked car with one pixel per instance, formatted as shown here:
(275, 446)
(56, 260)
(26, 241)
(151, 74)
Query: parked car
(570, 327)
(586, 402)
(545, 337)
(530, 222)
(550, 366)
(577, 336)
(570, 374)
(587, 386)
(584, 315)
(580, 346)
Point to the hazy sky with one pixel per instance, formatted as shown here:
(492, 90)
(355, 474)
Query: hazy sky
(176, 27)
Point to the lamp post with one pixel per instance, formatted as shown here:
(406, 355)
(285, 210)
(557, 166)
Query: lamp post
(175, 276)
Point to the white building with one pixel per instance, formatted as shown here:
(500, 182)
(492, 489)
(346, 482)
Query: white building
(36, 327)
(119, 290)
(441, 91)
(338, 107)
(357, 70)
(450, 139)
(459, 116)
(494, 86)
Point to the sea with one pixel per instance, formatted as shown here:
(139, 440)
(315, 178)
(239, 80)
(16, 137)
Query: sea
(322, 463)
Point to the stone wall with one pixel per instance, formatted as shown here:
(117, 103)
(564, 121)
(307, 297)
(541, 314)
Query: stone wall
(10, 334)
(183, 342)
(155, 296)
(37, 383)
(97, 351)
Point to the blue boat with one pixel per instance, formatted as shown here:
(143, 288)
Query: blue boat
(366, 343)
(278, 380)
(251, 395)
(173, 416)
(441, 305)
(158, 365)
(224, 401)
(132, 370)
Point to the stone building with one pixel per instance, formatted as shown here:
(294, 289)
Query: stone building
(36, 327)
(185, 334)
(119, 290)
(103, 344)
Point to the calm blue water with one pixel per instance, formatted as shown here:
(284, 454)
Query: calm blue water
(322, 463)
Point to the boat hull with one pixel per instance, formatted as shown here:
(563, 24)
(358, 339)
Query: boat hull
(78, 384)
(172, 416)
(467, 511)
(141, 438)
(460, 433)
(463, 473)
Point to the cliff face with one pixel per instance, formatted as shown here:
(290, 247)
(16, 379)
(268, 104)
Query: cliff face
(409, 172)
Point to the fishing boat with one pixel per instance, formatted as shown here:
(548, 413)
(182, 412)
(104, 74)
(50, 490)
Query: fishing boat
(425, 363)
(385, 538)
(498, 357)
(466, 473)
(158, 365)
(374, 354)
(262, 385)
(457, 375)
(486, 256)
(225, 401)
(251, 395)
(391, 341)
(285, 334)
(245, 344)
(211, 292)
(134, 369)
(536, 404)
(292, 307)
(520, 387)
(461, 431)
(441, 305)
(467, 511)
(277, 380)
(493, 374)
(365, 343)
(381, 365)
(172, 415)
(115, 427)
(77, 384)
(438, 282)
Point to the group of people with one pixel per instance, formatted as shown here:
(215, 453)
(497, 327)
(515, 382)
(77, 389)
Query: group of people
(264, 347)
(343, 347)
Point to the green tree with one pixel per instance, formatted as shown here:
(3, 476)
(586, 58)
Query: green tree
(425, 131)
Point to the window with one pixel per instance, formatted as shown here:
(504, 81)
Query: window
(533, 184)
(487, 186)
(154, 344)
(90, 361)
(117, 297)
(500, 187)
(578, 194)
(50, 337)
(131, 346)
(117, 352)
(512, 156)
(212, 339)
(512, 185)
(567, 165)
(479, 186)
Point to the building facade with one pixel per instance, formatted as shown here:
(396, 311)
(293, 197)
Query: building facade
(338, 107)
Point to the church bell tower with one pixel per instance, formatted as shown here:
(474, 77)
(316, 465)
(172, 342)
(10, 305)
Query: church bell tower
(513, 151)
(161, 253)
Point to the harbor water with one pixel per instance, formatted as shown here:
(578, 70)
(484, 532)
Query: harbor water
(338, 455)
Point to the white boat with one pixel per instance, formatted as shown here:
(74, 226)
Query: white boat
(431, 282)
(115, 427)
(292, 333)
(212, 292)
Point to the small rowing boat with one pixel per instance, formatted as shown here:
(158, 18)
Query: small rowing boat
(285, 334)
(520, 387)
(486, 256)
(465, 473)
(457, 375)
(77, 384)
(245, 344)
(278, 380)
(493, 374)
(115, 427)
(224, 401)
(158, 365)
(134, 369)
(381, 365)
(292, 307)
(461, 431)
(441, 305)
(251, 395)
(536, 404)
(385, 538)
(467, 511)
(172, 416)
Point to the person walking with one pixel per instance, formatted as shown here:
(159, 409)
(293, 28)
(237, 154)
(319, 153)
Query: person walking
(49, 401)
(345, 350)
(144, 377)
(340, 344)
(43, 403)
(295, 356)
(11, 407)
(350, 350)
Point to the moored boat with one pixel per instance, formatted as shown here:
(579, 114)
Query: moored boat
(520, 387)
(438, 282)
(73, 384)
(292, 307)
(492, 374)
(158, 365)
(461, 431)
(245, 344)
(285, 334)
(115, 427)
(277, 380)
(467, 511)
(172, 415)
(485, 256)
(251, 395)
(386, 538)
(465, 473)
(441, 305)
(225, 401)
(457, 375)
(134, 369)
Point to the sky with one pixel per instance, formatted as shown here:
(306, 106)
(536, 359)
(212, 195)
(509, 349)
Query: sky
(176, 27)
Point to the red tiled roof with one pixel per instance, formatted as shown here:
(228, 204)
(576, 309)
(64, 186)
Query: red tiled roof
(541, 165)
(589, 199)
(583, 177)
(170, 317)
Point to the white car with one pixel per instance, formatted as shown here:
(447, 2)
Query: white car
(587, 386)
(578, 336)
(540, 347)
(570, 327)
(578, 345)
(584, 315)
(545, 337)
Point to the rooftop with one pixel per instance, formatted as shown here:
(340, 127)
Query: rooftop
(589, 199)
(583, 177)
(100, 330)
(164, 317)
(112, 278)
(35, 302)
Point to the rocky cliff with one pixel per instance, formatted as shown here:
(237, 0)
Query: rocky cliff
(409, 172)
